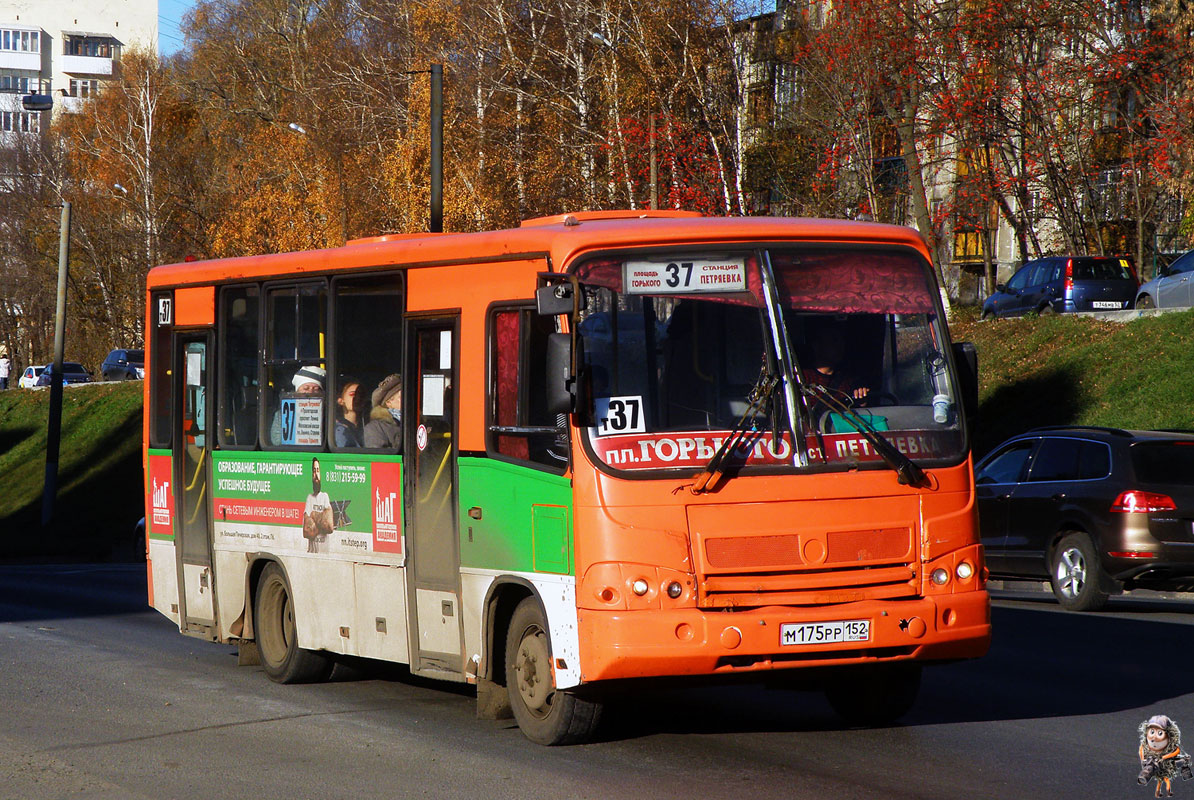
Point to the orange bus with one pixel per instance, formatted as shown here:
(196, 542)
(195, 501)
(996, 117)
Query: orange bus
(551, 461)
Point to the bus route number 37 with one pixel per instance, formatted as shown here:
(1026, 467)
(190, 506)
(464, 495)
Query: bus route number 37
(850, 630)
(620, 415)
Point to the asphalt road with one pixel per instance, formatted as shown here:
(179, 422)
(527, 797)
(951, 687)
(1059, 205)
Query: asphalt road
(103, 698)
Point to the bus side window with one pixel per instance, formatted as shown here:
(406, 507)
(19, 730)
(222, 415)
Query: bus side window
(520, 427)
(296, 365)
(367, 349)
(239, 387)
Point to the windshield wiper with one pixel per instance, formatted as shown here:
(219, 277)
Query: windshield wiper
(908, 471)
(758, 397)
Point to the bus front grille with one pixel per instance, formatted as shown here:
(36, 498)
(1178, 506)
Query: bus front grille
(811, 587)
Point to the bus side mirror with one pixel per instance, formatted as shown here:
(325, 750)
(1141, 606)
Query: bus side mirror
(554, 299)
(966, 362)
(564, 394)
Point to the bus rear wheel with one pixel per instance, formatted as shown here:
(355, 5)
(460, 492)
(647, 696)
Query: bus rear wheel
(545, 715)
(277, 640)
(873, 696)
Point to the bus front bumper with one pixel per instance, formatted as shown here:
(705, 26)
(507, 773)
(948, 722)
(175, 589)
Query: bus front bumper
(657, 643)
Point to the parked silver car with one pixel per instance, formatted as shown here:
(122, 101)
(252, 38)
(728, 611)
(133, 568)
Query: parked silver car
(1172, 288)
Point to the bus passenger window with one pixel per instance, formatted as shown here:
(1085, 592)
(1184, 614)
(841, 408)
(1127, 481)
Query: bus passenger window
(367, 351)
(295, 365)
(239, 387)
(159, 373)
(520, 427)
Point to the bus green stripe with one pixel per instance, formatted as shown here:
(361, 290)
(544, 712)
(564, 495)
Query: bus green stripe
(526, 518)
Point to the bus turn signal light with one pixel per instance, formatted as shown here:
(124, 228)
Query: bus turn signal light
(1136, 500)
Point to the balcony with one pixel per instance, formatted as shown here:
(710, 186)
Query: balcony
(86, 65)
(29, 62)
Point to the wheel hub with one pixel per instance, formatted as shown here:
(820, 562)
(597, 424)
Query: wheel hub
(534, 671)
(1071, 572)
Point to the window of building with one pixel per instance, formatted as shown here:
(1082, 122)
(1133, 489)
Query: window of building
(86, 87)
(296, 365)
(93, 46)
(365, 392)
(240, 391)
(520, 427)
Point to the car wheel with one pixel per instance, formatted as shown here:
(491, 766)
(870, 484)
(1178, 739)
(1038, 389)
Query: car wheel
(871, 696)
(1046, 310)
(545, 715)
(988, 315)
(1076, 576)
(276, 634)
(1145, 301)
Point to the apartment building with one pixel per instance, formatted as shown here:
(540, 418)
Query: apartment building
(66, 49)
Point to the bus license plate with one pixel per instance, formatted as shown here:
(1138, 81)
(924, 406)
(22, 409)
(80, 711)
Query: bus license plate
(850, 630)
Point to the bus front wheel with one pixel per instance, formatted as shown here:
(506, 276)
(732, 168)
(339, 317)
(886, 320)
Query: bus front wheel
(545, 714)
(874, 695)
(277, 641)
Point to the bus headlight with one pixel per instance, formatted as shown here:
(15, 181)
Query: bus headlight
(639, 586)
(965, 571)
(940, 576)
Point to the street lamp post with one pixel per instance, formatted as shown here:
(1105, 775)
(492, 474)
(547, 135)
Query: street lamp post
(54, 431)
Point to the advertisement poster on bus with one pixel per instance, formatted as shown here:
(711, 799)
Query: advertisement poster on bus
(327, 503)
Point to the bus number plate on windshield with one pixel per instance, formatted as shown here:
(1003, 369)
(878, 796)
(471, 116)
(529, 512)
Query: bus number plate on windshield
(850, 630)
(686, 275)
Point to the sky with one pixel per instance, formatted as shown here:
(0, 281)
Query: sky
(170, 14)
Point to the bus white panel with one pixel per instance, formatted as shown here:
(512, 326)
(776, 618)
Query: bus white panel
(438, 632)
(324, 602)
(230, 590)
(380, 630)
(197, 584)
(165, 578)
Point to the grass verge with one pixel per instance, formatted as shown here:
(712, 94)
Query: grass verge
(99, 497)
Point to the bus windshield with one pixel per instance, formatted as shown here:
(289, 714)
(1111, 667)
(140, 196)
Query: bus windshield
(680, 345)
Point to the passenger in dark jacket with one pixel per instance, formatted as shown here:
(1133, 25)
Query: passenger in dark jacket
(384, 429)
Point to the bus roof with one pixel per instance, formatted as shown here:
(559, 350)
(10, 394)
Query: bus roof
(562, 238)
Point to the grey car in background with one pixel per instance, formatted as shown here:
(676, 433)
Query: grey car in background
(1172, 288)
(1092, 510)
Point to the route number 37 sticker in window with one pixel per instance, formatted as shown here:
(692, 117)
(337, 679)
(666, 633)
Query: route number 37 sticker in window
(620, 415)
(685, 275)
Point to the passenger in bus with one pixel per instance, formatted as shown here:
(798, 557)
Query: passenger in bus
(349, 427)
(317, 513)
(384, 429)
(308, 380)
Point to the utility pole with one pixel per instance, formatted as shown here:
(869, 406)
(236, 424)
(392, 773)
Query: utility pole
(54, 432)
(437, 148)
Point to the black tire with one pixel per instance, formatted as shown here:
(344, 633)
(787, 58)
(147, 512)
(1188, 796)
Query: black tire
(277, 640)
(1145, 301)
(1076, 576)
(544, 714)
(874, 696)
(988, 316)
(1047, 310)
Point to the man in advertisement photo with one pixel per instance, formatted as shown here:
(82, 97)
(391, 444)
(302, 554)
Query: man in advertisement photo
(317, 513)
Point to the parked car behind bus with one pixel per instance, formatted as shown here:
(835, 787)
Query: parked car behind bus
(124, 365)
(1065, 284)
(29, 377)
(72, 372)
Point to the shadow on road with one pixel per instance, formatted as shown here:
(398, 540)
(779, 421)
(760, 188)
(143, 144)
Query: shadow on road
(40, 592)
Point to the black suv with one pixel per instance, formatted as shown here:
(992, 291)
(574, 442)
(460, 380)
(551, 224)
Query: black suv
(124, 365)
(1094, 510)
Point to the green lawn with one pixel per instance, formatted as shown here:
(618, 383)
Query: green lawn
(1069, 370)
(99, 472)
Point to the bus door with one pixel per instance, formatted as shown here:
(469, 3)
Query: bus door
(192, 456)
(433, 560)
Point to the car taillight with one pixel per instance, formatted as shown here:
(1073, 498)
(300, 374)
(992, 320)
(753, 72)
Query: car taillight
(1069, 279)
(1136, 500)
